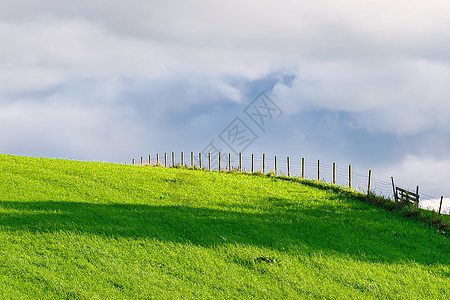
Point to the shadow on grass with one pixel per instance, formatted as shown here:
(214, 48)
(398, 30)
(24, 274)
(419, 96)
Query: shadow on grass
(292, 231)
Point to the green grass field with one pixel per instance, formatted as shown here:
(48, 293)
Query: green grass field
(79, 230)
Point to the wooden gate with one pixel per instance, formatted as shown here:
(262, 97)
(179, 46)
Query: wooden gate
(404, 196)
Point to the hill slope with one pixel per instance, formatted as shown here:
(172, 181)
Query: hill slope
(94, 230)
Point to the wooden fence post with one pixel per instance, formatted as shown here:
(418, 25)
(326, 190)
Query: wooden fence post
(288, 167)
(240, 162)
(393, 189)
(334, 173)
(209, 161)
(192, 159)
(253, 162)
(157, 158)
(440, 204)
(229, 161)
(165, 159)
(318, 169)
(370, 181)
(182, 159)
(417, 193)
(149, 159)
(132, 162)
(200, 160)
(142, 161)
(173, 159)
(276, 168)
(303, 168)
(264, 164)
(220, 161)
(350, 176)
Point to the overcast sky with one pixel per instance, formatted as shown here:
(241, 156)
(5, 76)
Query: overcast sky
(365, 83)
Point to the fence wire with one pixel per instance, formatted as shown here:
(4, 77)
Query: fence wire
(292, 166)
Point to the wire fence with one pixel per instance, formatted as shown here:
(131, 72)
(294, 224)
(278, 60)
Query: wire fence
(294, 167)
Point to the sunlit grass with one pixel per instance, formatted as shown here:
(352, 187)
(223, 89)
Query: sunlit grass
(83, 230)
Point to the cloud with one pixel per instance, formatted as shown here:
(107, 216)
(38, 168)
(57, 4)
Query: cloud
(433, 204)
(426, 172)
(68, 130)
(252, 39)
(41, 55)
(395, 96)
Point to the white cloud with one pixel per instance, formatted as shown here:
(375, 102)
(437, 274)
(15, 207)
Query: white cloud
(398, 96)
(434, 204)
(426, 172)
(41, 55)
(228, 90)
(251, 39)
(67, 130)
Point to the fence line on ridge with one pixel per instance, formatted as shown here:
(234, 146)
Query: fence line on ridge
(290, 166)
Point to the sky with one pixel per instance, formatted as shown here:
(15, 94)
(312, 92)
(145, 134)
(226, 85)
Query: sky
(355, 82)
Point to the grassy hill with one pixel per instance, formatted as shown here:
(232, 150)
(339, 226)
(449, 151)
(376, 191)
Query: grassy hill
(82, 230)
